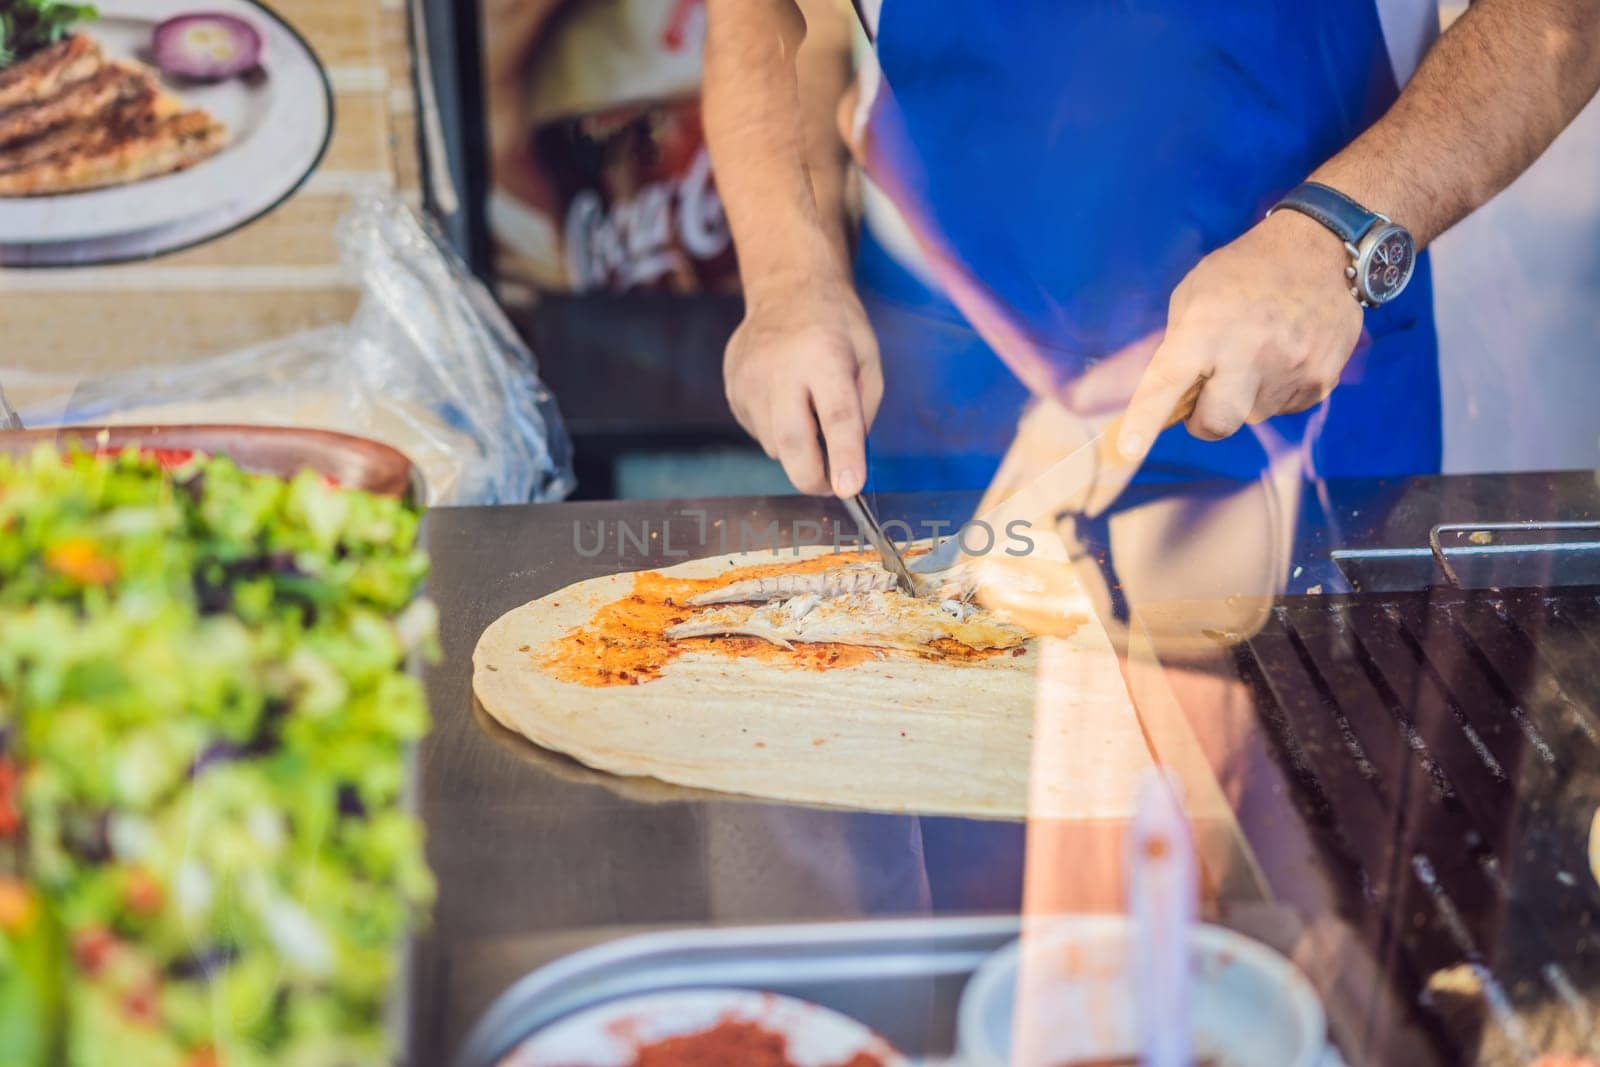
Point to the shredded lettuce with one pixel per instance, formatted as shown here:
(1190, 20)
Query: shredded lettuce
(205, 713)
(29, 25)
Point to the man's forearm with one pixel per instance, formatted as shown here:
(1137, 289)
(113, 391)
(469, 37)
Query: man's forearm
(758, 137)
(823, 73)
(1487, 100)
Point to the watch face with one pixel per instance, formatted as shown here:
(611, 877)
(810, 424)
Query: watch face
(1387, 264)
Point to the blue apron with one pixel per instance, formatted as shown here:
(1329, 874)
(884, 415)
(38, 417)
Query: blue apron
(1072, 160)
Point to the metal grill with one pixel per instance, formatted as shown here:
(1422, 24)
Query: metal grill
(1443, 747)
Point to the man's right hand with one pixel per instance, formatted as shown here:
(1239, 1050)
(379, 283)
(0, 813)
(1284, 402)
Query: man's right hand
(804, 355)
(800, 361)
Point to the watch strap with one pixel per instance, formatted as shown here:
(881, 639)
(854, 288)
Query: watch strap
(1332, 208)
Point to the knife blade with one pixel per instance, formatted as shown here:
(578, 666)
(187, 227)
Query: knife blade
(9, 419)
(867, 523)
(888, 553)
(1065, 479)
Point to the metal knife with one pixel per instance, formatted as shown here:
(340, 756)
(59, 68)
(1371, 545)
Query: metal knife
(861, 514)
(888, 553)
(9, 419)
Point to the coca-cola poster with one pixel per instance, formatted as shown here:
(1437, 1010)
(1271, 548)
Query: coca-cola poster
(601, 181)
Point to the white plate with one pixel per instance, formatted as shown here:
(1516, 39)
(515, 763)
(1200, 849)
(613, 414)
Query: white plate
(278, 120)
(609, 1035)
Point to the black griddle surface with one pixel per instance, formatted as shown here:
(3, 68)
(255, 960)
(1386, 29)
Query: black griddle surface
(1443, 749)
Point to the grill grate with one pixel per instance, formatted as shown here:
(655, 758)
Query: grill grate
(1443, 748)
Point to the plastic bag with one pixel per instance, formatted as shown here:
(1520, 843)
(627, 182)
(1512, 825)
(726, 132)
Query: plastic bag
(428, 364)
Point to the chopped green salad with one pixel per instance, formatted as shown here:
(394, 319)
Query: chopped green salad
(205, 858)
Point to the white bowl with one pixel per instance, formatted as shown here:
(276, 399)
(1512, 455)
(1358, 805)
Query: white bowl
(1251, 1007)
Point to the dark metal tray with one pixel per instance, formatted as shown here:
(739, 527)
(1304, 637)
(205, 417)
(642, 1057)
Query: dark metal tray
(901, 977)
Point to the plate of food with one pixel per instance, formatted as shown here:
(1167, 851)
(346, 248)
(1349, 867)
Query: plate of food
(707, 1026)
(141, 126)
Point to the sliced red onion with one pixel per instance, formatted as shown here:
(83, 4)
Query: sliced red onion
(206, 46)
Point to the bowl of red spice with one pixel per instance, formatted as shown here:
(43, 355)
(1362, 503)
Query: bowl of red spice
(706, 1028)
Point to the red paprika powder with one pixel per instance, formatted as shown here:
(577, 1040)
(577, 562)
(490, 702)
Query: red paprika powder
(730, 1044)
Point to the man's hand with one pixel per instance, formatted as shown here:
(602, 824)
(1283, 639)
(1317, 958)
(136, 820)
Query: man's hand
(1266, 324)
(804, 354)
(802, 361)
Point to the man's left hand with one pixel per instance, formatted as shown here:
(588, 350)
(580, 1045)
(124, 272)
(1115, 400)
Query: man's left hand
(1266, 324)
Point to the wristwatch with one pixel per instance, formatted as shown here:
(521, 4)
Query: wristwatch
(1383, 255)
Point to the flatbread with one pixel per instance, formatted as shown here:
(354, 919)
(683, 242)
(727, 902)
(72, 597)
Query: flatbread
(890, 731)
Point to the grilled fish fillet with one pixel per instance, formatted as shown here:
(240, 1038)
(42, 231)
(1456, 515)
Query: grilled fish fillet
(871, 620)
(94, 95)
(42, 76)
(79, 121)
(839, 581)
(136, 110)
(117, 156)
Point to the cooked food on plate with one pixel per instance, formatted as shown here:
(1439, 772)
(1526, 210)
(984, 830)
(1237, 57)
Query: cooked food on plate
(204, 719)
(48, 72)
(73, 118)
